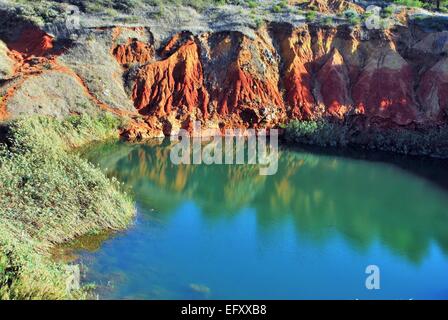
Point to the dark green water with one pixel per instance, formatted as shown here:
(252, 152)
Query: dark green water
(310, 231)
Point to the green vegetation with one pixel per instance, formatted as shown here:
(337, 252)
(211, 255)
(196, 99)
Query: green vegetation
(45, 11)
(387, 12)
(324, 132)
(435, 5)
(348, 14)
(128, 19)
(93, 6)
(355, 21)
(49, 195)
(252, 4)
(36, 12)
(197, 4)
(410, 3)
(280, 6)
(276, 8)
(352, 17)
(258, 21)
(328, 21)
(366, 15)
(311, 15)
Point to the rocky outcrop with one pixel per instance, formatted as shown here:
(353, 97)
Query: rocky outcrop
(90, 58)
(132, 46)
(42, 94)
(242, 76)
(133, 51)
(52, 79)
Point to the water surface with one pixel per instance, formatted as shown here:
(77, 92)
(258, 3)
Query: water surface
(309, 231)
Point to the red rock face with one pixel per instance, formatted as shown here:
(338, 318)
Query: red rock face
(433, 91)
(32, 42)
(227, 79)
(334, 85)
(298, 90)
(297, 56)
(133, 51)
(385, 88)
(172, 83)
(240, 89)
(175, 43)
(238, 83)
(244, 78)
(345, 41)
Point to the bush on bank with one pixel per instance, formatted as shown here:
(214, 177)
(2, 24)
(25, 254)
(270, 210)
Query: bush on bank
(431, 141)
(49, 195)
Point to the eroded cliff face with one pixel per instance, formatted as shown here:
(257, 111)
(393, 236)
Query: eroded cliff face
(396, 77)
(433, 91)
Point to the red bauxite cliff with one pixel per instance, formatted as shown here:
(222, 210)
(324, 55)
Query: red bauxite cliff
(228, 79)
(433, 91)
(165, 86)
(32, 42)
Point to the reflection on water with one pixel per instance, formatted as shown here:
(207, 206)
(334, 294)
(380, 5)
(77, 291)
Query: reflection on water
(308, 231)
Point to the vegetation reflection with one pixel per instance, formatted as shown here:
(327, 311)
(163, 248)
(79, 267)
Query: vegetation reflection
(320, 194)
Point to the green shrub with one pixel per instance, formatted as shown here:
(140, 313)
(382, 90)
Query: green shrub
(354, 21)
(328, 21)
(39, 13)
(428, 141)
(311, 15)
(258, 21)
(387, 12)
(366, 15)
(252, 4)
(349, 14)
(320, 132)
(410, 3)
(276, 8)
(352, 17)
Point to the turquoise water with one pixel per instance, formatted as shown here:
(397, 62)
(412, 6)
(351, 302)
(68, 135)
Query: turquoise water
(309, 231)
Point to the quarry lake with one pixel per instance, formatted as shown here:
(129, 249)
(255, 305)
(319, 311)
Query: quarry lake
(309, 231)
